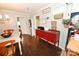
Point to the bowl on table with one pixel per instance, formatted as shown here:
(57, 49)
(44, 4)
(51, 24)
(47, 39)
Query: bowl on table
(6, 35)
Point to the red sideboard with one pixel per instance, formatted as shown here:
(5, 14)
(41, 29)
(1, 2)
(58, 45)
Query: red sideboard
(49, 36)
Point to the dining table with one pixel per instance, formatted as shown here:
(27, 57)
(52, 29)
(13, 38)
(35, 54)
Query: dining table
(13, 37)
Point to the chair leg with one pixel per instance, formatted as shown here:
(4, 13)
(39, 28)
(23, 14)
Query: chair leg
(13, 49)
(20, 48)
(58, 43)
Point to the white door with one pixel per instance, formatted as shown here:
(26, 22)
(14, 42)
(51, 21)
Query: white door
(24, 25)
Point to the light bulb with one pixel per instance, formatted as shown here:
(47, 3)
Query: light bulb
(18, 23)
(6, 16)
(0, 16)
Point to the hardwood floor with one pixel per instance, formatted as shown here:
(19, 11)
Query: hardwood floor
(34, 47)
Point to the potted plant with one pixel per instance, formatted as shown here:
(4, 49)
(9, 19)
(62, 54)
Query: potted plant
(66, 22)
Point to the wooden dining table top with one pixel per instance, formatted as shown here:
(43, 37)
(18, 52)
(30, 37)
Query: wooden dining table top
(12, 37)
(73, 45)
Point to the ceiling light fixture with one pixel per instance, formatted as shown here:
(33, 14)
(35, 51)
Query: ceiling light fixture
(4, 17)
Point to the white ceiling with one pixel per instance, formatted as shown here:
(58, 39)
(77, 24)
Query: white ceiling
(22, 7)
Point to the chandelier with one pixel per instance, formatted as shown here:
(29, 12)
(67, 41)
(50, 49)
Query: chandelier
(4, 17)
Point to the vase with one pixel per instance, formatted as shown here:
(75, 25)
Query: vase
(66, 26)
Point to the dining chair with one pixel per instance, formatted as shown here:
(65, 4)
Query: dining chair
(7, 48)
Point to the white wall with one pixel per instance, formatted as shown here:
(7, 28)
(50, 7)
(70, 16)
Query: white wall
(12, 23)
(60, 26)
(42, 19)
(75, 7)
(55, 9)
(63, 34)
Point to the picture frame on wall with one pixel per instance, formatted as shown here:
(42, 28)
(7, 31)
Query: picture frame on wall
(54, 25)
(37, 20)
(37, 17)
(59, 16)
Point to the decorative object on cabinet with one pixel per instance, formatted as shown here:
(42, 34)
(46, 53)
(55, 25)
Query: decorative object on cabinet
(37, 20)
(47, 18)
(54, 25)
(58, 16)
(37, 17)
(41, 28)
(66, 22)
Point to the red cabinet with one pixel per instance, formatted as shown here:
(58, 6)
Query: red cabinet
(49, 36)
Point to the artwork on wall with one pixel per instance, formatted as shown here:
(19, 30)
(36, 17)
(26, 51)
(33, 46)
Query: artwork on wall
(58, 16)
(37, 17)
(37, 21)
(47, 10)
(54, 25)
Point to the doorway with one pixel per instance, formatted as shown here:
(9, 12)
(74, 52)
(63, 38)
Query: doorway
(74, 25)
(37, 21)
(30, 26)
